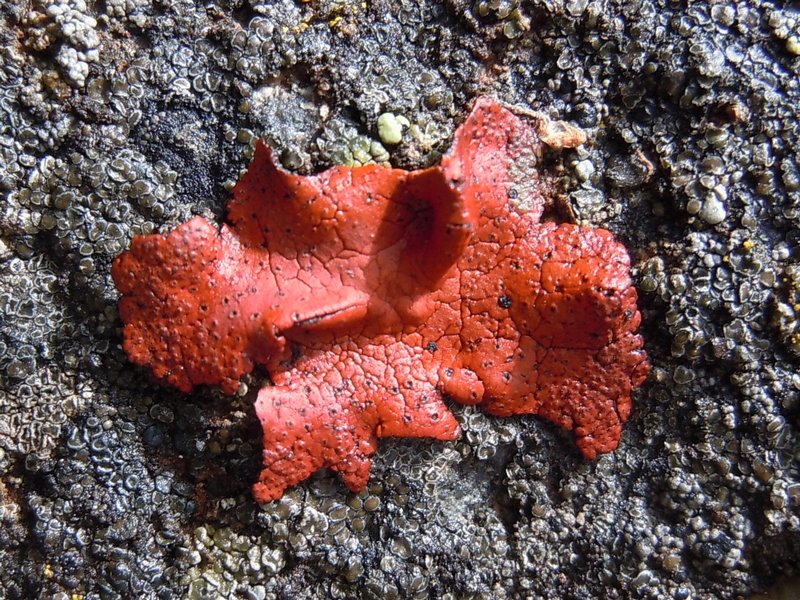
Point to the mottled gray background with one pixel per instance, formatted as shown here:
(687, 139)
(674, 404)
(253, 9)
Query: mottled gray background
(121, 117)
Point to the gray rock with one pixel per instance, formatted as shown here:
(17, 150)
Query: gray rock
(126, 117)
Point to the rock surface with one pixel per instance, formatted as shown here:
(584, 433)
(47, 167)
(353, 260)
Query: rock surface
(130, 116)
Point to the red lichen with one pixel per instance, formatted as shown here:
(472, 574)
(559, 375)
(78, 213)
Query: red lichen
(372, 293)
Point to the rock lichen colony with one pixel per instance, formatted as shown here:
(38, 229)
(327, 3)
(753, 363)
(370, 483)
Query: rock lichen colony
(369, 293)
(125, 118)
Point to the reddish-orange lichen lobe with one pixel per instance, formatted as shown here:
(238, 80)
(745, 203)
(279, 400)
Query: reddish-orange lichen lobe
(371, 293)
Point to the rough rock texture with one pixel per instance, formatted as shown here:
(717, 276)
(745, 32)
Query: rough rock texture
(130, 116)
(371, 294)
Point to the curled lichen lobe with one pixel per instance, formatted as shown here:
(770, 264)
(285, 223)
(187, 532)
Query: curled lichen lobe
(371, 293)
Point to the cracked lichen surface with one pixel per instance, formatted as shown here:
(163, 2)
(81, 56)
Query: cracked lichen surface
(371, 294)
